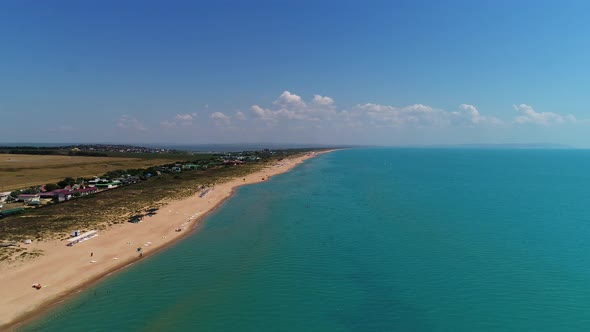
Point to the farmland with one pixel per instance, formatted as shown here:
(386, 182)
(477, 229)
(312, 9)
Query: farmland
(20, 170)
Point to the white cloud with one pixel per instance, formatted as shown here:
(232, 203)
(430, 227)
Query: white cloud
(129, 122)
(293, 107)
(220, 118)
(240, 115)
(418, 115)
(529, 115)
(180, 119)
(288, 99)
(167, 124)
(321, 110)
(186, 119)
(264, 114)
(375, 107)
(469, 114)
(320, 115)
(322, 100)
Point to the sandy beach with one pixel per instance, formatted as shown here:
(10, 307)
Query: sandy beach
(64, 270)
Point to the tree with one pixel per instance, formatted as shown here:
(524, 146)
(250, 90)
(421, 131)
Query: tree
(31, 190)
(51, 186)
(66, 182)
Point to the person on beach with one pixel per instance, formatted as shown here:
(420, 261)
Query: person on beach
(91, 254)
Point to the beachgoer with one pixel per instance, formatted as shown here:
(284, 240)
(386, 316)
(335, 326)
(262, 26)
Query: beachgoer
(91, 254)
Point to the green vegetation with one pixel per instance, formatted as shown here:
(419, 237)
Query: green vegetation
(10, 253)
(51, 186)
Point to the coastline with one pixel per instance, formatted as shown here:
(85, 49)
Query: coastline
(65, 271)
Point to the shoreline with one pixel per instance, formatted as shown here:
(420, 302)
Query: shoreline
(75, 268)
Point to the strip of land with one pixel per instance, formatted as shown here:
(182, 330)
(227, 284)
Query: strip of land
(63, 270)
(20, 171)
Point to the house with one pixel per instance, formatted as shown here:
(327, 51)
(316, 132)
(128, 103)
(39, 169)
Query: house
(233, 162)
(63, 195)
(96, 181)
(4, 196)
(27, 198)
(108, 185)
(86, 191)
(34, 202)
(48, 194)
(129, 180)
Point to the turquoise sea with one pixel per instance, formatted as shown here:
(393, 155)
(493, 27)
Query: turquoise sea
(371, 240)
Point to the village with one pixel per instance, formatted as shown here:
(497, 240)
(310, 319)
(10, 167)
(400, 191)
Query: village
(19, 201)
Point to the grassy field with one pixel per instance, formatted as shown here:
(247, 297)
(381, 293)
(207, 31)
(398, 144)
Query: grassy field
(20, 171)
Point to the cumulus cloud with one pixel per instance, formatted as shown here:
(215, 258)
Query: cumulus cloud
(322, 110)
(129, 122)
(419, 115)
(264, 114)
(413, 115)
(322, 100)
(185, 119)
(469, 114)
(179, 119)
(290, 106)
(240, 115)
(529, 115)
(288, 99)
(220, 118)
(292, 112)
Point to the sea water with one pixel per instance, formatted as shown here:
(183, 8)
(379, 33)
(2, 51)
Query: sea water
(371, 240)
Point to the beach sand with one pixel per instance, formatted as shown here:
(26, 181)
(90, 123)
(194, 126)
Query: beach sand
(64, 270)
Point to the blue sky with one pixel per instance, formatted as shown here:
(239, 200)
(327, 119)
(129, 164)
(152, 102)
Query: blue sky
(327, 72)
